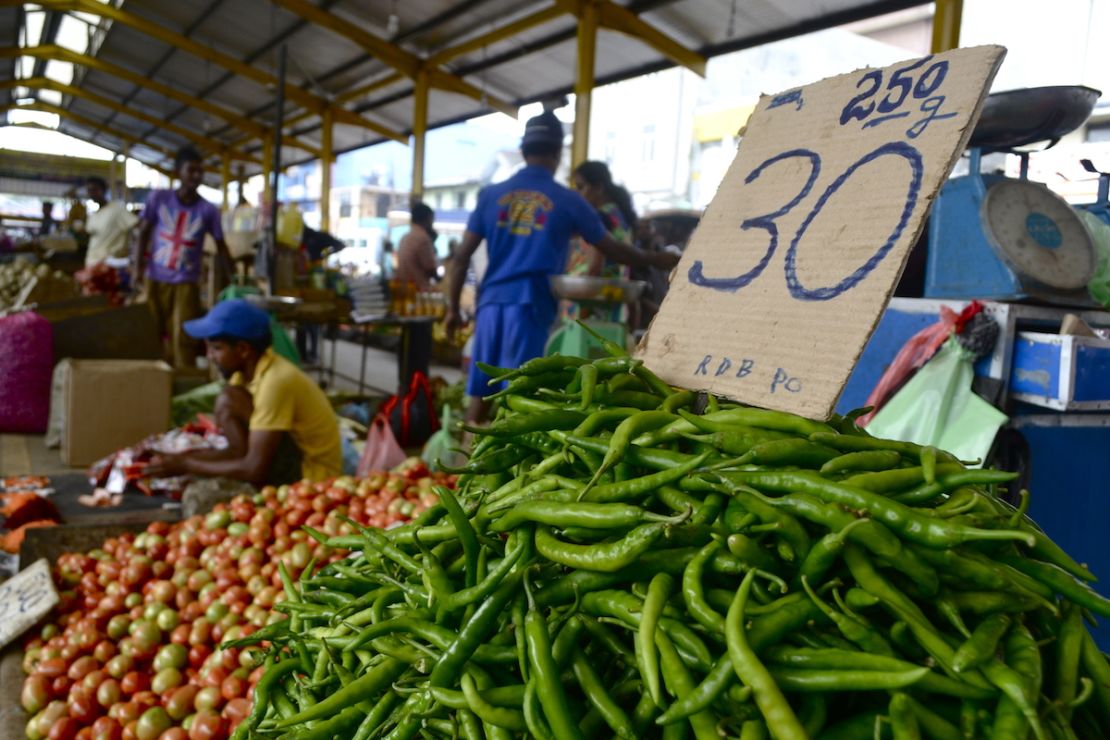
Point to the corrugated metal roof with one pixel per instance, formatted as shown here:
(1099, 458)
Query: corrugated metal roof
(324, 63)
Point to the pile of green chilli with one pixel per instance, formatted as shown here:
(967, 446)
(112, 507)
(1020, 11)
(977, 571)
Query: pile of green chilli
(626, 559)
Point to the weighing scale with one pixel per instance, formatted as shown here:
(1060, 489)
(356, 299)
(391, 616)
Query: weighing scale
(999, 238)
(596, 292)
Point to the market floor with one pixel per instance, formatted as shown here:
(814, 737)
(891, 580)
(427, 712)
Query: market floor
(381, 368)
(26, 454)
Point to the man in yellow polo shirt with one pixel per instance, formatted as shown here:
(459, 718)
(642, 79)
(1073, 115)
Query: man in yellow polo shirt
(278, 423)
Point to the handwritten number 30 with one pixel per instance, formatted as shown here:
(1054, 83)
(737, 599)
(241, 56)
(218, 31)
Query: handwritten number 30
(768, 223)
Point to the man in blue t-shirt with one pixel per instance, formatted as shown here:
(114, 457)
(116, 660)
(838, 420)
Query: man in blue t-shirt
(527, 223)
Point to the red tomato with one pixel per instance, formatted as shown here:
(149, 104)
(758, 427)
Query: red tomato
(236, 711)
(64, 729)
(180, 635)
(208, 725)
(233, 687)
(135, 682)
(106, 728)
(125, 712)
(51, 668)
(104, 651)
(83, 707)
(198, 654)
(60, 686)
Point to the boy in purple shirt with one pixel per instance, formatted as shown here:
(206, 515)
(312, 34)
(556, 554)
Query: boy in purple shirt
(171, 236)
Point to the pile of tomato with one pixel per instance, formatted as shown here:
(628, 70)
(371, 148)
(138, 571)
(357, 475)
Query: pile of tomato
(132, 651)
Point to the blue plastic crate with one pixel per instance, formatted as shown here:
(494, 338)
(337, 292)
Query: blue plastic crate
(1061, 372)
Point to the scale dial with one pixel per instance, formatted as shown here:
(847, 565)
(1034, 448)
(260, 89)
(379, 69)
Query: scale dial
(1038, 234)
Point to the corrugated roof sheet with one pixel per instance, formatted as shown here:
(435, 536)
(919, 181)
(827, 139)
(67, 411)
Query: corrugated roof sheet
(534, 63)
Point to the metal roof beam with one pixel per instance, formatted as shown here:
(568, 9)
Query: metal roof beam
(241, 122)
(188, 31)
(88, 123)
(250, 59)
(50, 24)
(166, 36)
(77, 92)
(401, 60)
(445, 16)
(498, 34)
(619, 18)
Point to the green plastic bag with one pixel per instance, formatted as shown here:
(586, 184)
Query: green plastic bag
(1099, 284)
(200, 400)
(282, 344)
(441, 446)
(937, 407)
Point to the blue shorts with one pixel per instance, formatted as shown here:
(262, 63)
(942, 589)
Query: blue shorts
(505, 335)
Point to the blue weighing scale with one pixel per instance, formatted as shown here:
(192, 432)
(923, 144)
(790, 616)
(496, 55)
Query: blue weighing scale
(999, 238)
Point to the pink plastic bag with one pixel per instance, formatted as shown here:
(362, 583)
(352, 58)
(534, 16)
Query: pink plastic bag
(382, 451)
(26, 369)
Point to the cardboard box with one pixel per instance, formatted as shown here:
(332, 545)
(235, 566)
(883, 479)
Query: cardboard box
(111, 404)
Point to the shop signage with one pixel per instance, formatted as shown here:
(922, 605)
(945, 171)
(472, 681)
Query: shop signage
(25, 598)
(797, 255)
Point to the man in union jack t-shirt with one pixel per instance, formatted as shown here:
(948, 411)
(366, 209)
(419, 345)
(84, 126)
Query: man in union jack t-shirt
(171, 244)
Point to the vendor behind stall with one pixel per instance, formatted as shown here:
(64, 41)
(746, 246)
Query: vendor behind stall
(416, 253)
(527, 223)
(174, 225)
(278, 423)
(48, 225)
(109, 226)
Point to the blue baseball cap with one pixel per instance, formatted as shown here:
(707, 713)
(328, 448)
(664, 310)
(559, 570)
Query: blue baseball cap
(236, 318)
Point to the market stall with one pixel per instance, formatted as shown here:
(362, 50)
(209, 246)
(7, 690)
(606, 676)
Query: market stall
(691, 539)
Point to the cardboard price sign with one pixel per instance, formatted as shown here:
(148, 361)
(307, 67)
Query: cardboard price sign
(797, 255)
(25, 598)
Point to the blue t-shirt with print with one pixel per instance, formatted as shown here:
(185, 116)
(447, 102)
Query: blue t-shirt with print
(527, 222)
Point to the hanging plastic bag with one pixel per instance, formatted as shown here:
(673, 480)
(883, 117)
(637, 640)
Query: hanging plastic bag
(412, 415)
(917, 350)
(382, 451)
(440, 447)
(937, 407)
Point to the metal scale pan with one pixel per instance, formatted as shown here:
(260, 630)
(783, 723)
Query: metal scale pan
(1021, 117)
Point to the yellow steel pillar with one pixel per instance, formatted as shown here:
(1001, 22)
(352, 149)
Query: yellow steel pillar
(225, 178)
(419, 129)
(325, 169)
(946, 24)
(584, 84)
(267, 171)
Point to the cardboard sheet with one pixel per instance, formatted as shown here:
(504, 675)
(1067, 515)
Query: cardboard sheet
(25, 599)
(796, 257)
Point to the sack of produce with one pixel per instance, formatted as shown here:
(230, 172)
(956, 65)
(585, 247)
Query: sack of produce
(627, 559)
(26, 367)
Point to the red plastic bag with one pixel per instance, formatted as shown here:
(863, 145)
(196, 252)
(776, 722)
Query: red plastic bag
(382, 451)
(26, 367)
(412, 415)
(917, 350)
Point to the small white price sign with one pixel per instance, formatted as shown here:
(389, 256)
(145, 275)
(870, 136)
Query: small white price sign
(797, 255)
(25, 598)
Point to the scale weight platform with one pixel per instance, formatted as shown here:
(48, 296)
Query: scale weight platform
(999, 238)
